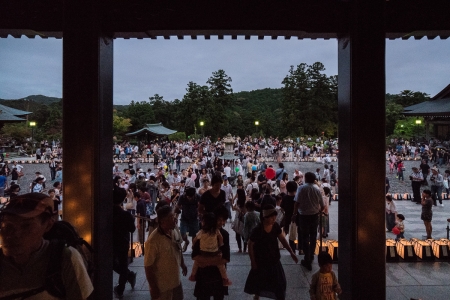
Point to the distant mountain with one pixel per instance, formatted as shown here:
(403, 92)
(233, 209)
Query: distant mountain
(40, 99)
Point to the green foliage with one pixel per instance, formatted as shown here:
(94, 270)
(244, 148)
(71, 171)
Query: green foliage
(120, 125)
(17, 131)
(394, 111)
(177, 136)
(305, 105)
(408, 128)
(140, 114)
(309, 104)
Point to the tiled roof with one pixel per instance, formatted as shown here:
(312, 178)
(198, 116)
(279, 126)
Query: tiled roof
(153, 129)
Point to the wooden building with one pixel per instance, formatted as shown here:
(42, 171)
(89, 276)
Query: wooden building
(436, 111)
(361, 27)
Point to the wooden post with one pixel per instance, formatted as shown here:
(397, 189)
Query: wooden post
(361, 84)
(87, 131)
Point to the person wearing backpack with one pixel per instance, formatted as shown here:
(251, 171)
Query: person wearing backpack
(31, 265)
(123, 225)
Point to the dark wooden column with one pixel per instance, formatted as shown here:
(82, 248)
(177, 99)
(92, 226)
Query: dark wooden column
(87, 131)
(361, 67)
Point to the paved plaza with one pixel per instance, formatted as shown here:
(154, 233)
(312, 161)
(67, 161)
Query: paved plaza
(404, 280)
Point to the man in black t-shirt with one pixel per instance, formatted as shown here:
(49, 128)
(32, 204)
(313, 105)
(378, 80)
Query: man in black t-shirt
(262, 180)
(178, 162)
(188, 204)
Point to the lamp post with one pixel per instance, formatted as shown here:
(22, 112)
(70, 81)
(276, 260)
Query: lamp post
(256, 127)
(32, 125)
(202, 123)
(418, 122)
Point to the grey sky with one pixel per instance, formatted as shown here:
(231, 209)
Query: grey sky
(143, 68)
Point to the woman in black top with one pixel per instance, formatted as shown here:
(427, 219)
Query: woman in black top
(266, 278)
(208, 279)
(212, 198)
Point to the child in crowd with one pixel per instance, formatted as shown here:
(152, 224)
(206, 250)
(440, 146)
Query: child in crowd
(399, 224)
(210, 241)
(324, 283)
(251, 219)
(280, 211)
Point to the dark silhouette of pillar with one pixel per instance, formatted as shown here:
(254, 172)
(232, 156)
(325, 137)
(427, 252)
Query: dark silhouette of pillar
(361, 81)
(87, 131)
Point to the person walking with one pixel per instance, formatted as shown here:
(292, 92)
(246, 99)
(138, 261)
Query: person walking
(427, 213)
(188, 204)
(266, 277)
(309, 204)
(437, 184)
(123, 225)
(163, 258)
(425, 168)
(391, 212)
(52, 165)
(416, 178)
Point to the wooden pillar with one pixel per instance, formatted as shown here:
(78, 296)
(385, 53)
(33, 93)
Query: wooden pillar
(361, 84)
(427, 130)
(87, 131)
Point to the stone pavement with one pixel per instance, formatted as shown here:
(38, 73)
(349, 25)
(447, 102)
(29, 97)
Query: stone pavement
(404, 280)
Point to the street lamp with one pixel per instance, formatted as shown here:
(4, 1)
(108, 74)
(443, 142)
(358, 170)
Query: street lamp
(256, 127)
(418, 122)
(201, 125)
(32, 125)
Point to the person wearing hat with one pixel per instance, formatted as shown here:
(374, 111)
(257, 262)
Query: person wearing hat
(26, 255)
(37, 186)
(416, 178)
(266, 277)
(437, 183)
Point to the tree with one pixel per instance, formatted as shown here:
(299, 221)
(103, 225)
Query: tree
(120, 125)
(197, 105)
(309, 103)
(18, 131)
(140, 114)
(395, 105)
(221, 111)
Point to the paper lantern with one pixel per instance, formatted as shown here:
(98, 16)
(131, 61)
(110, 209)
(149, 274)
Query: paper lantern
(397, 196)
(422, 249)
(333, 246)
(406, 196)
(135, 250)
(441, 249)
(336, 197)
(391, 253)
(324, 247)
(444, 196)
(405, 250)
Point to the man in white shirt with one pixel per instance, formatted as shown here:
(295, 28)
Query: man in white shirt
(227, 170)
(228, 189)
(176, 180)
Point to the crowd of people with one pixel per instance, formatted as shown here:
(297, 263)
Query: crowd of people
(173, 208)
(423, 177)
(199, 200)
(202, 150)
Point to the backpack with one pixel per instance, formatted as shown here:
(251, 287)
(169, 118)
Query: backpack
(61, 235)
(65, 233)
